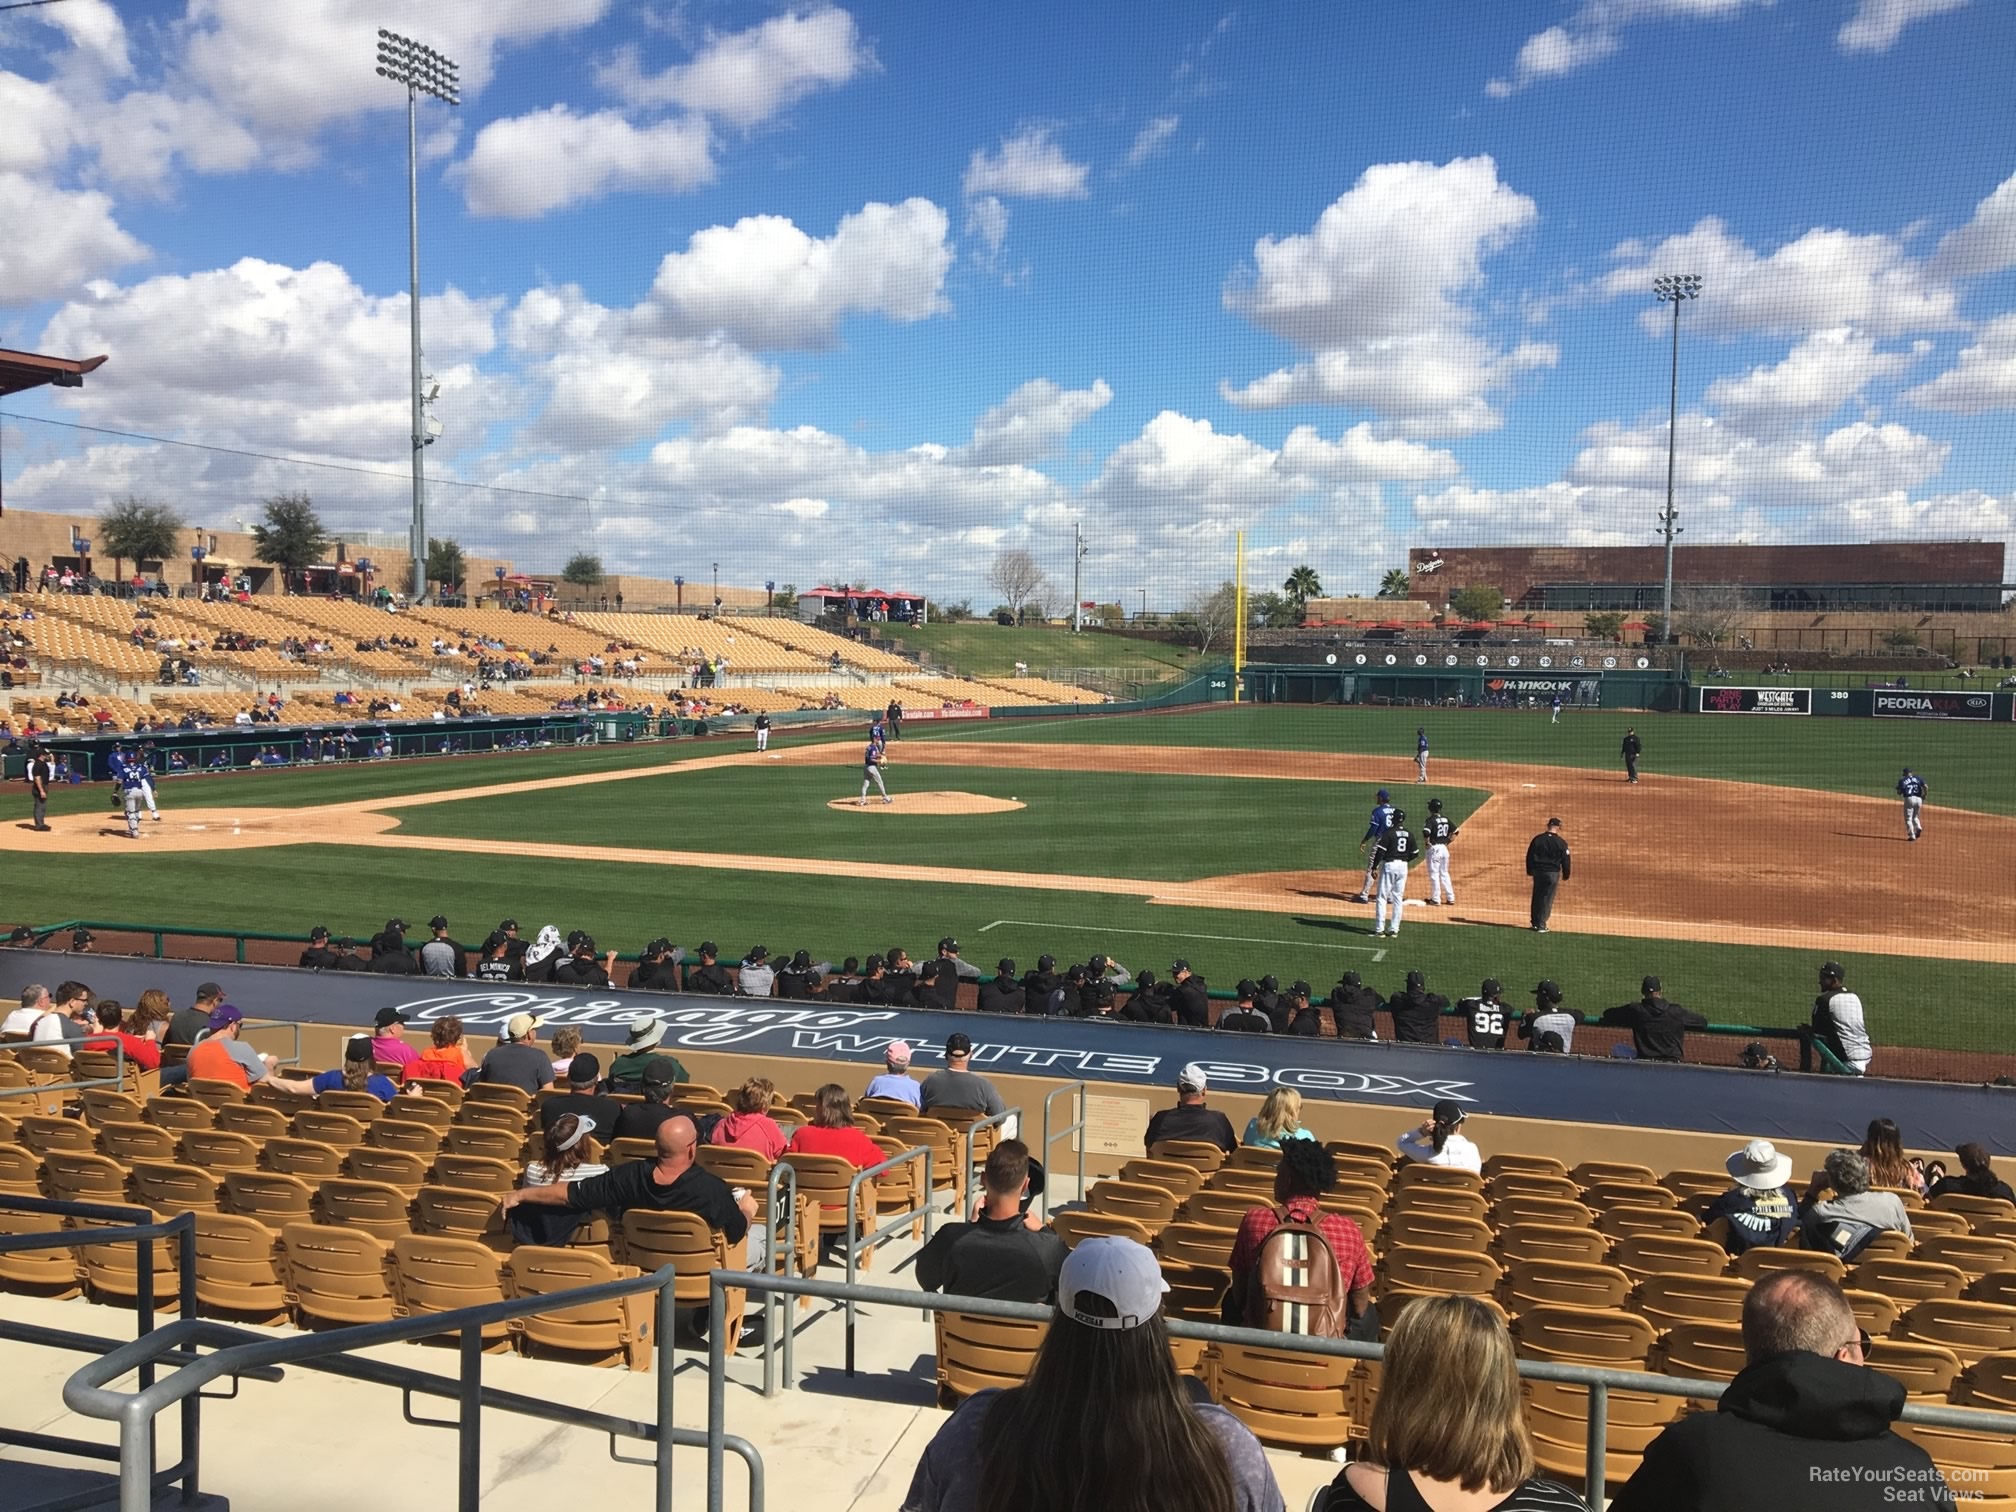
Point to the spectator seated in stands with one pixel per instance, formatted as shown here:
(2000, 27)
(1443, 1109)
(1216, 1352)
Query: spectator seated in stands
(136, 1047)
(1307, 1171)
(1844, 1223)
(1447, 1427)
(641, 1120)
(1436, 1141)
(1760, 1207)
(566, 1045)
(1883, 1148)
(388, 1039)
(1104, 1421)
(833, 1131)
(751, 1125)
(895, 1081)
(447, 1057)
(518, 1062)
(63, 1018)
(347, 958)
(959, 1086)
(1417, 1012)
(1190, 1119)
(1658, 1025)
(640, 1053)
(35, 1005)
(356, 1073)
(221, 1055)
(757, 976)
(563, 1152)
(1976, 1179)
(1244, 1017)
(1805, 1423)
(584, 1076)
(1279, 1120)
(1005, 1253)
(1352, 1005)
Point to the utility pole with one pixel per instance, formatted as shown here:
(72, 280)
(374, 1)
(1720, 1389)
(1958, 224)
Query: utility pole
(1077, 562)
(1675, 289)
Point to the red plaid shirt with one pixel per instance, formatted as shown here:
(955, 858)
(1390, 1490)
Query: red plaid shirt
(1346, 1239)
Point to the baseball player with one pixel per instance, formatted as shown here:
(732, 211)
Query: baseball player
(142, 759)
(1394, 853)
(1485, 1016)
(132, 779)
(1382, 819)
(1438, 832)
(871, 769)
(1420, 754)
(762, 732)
(1631, 749)
(1557, 708)
(1911, 788)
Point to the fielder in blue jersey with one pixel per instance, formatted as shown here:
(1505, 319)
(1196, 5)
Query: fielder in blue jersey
(1911, 788)
(871, 767)
(131, 775)
(1420, 754)
(1381, 821)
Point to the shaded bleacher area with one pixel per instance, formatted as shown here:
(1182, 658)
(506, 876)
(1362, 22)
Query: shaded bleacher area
(111, 651)
(343, 1209)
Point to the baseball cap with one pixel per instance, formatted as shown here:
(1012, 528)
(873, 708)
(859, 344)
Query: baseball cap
(1553, 824)
(1831, 968)
(1650, 984)
(1247, 987)
(357, 1047)
(1004, 967)
(1447, 1112)
(1492, 987)
(223, 1016)
(1192, 1078)
(1350, 979)
(928, 972)
(388, 1015)
(1399, 814)
(898, 1053)
(584, 944)
(519, 1025)
(319, 932)
(1298, 988)
(1382, 795)
(439, 921)
(575, 937)
(395, 924)
(958, 1044)
(1122, 1273)
(508, 924)
(658, 1071)
(1435, 803)
(208, 990)
(1271, 982)
(709, 948)
(81, 937)
(948, 943)
(1547, 992)
(21, 932)
(1179, 964)
(584, 1067)
(1045, 962)
(757, 953)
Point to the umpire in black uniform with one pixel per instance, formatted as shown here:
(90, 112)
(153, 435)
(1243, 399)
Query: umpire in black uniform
(1547, 865)
(1632, 749)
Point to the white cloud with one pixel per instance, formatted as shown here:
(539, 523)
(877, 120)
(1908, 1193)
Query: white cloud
(1029, 165)
(95, 30)
(58, 239)
(1181, 469)
(1984, 377)
(525, 166)
(1031, 423)
(770, 286)
(987, 218)
(1818, 376)
(1362, 455)
(1823, 279)
(1877, 24)
(40, 126)
(1987, 243)
(1151, 139)
(1595, 31)
(142, 136)
(746, 77)
(1381, 290)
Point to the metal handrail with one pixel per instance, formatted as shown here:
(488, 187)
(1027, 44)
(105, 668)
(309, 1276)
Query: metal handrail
(1599, 1381)
(1083, 1090)
(116, 1081)
(859, 1245)
(782, 1172)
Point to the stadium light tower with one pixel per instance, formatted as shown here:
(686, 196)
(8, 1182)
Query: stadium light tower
(423, 71)
(1674, 289)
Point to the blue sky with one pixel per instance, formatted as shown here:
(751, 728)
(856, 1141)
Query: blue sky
(884, 290)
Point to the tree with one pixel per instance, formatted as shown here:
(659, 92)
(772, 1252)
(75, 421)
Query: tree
(1017, 578)
(1211, 612)
(138, 530)
(583, 570)
(1901, 639)
(1274, 610)
(1395, 584)
(1655, 629)
(1478, 601)
(1302, 586)
(1605, 625)
(786, 596)
(445, 563)
(1709, 612)
(292, 536)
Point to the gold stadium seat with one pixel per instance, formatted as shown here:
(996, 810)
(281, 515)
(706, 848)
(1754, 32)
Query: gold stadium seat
(1353, 1149)
(476, 1173)
(1294, 1400)
(1531, 1284)
(309, 1158)
(1761, 1259)
(608, 1332)
(1410, 1268)
(1553, 1212)
(404, 1134)
(1991, 1384)
(1604, 1195)
(337, 1276)
(430, 1111)
(623, 1151)
(498, 1095)
(886, 1107)
(1927, 1370)
(260, 1120)
(1258, 1185)
(1667, 1301)
(1971, 1207)
(1427, 1228)
(219, 1150)
(1150, 1206)
(20, 1171)
(337, 1129)
(1541, 1241)
(168, 1188)
(1417, 1173)
(399, 1168)
(1452, 1201)
(1610, 1338)
(274, 1198)
(1591, 1172)
(1256, 1158)
(102, 1106)
(1557, 1416)
(128, 1142)
(41, 1273)
(365, 1107)
(1997, 1287)
(1360, 1168)
(440, 1091)
(374, 1207)
(1532, 1185)
(214, 1091)
(948, 1174)
(495, 1144)
(1523, 1165)
(238, 1270)
(71, 1176)
(432, 1275)
(1962, 1450)
(1195, 1244)
(1973, 1255)
(1685, 1184)
(1218, 1209)
(1875, 1313)
(982, 1354)
(481, 1113)
(1888, 1245)
(1081, 1223)
(179, 1113)
(823, 1180)
(652, 1239)
(43, 1134)
(1705, 1351)
(1939, 1223)
(112, 1271)
(1969, 1329)
(1359, 1194)
(1174, 1177)
(1625, 1222)
(1205, 1156)
(1908, 1281)
(460, 1213)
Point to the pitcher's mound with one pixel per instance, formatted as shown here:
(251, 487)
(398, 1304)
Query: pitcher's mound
(929, 803)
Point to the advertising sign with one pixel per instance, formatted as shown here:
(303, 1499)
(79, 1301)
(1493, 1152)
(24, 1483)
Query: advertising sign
(1756, 700)
(1907, 705)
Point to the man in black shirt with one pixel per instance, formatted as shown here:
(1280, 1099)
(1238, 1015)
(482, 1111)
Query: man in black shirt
(1148, 1003)
(389, 956)
(514, 948)
(1243, 1017)
(1267, 998)
(583, 1072)
(1658, 1025)
(497, 965)
(641, 1120)
(1632, 749)
(710, 976)
(1095, 990)
(1037, 985)
(873, 988)
(1189, 995)
(1004, 1253)
(1417, 1013)
(347, 958)
(1485, 1016)
(1547, 865)
(1352, 1005)
(902, 975)
(656, 970)
(1190, 1119)
(1004, 994)
(581, 969)
(187, 1025)
(318, 956)
(1296, 1015)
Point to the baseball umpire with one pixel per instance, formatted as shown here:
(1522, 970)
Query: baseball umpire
(1395, 852)
(1547, 864)
(1438, 832)
(1382, 817)
(1632, 749)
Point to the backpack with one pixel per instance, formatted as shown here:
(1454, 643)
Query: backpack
(1296, 1285)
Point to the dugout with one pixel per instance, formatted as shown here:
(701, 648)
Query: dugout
(1475, 680)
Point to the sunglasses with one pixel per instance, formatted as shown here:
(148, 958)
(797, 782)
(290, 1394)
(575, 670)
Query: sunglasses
(1861, 1341)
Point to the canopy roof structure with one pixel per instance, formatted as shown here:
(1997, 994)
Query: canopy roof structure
(20, 371)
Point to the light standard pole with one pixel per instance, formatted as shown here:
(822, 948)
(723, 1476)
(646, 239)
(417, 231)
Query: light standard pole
(717, 590)
(769, 596)
(1674, 289)
(423, 71)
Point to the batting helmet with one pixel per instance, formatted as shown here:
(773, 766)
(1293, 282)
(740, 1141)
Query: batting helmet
(1398, 815)
(1434, 805)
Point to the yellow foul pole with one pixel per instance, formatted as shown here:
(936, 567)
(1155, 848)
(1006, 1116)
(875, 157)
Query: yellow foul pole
(1238, 616)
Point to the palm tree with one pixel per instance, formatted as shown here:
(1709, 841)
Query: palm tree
(1302, 586)
(1395, 584)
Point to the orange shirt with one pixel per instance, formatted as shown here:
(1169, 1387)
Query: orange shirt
(438, 1065)
(210, 1061)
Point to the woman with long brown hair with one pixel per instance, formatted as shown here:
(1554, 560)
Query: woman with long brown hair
(1883, 1148)
(833, 1131)
(1104, 1422)
(564, 1155)
(150, 1015)
(1447, 1429)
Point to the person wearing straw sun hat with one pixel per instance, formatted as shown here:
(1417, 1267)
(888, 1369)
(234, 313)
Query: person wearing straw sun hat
(626, 1071)
(1761, 1208)
(1104, 1420)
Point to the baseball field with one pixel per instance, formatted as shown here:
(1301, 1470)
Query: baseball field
(1753, 849)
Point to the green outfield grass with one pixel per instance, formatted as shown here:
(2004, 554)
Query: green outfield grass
(981, 648)
(1969, 766)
